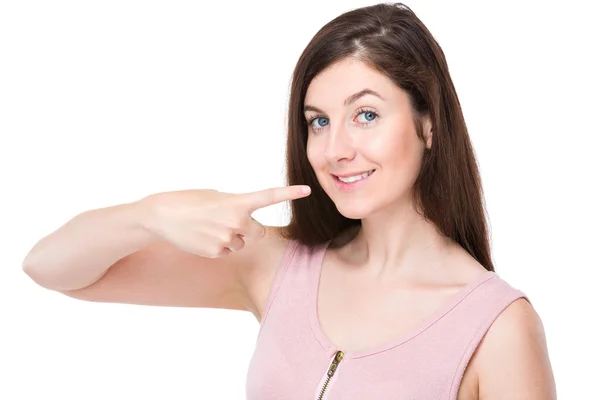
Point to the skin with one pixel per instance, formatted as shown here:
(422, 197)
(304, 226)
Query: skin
(405, 278)
(395, 247)
(343, 142)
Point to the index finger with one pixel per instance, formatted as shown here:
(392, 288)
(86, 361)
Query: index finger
(268, 197)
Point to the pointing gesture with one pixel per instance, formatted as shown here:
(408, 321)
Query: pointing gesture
(210, 223)
(268, 197)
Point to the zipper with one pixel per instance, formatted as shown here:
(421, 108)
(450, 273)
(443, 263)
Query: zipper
(339, 355)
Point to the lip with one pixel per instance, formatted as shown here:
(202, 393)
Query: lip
(349, 187)
(352, 174)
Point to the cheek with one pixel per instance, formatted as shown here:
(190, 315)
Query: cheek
(314, 153)
(388, 149)
(406, 157)
(317, 160)
(310, 152)
(399, 153)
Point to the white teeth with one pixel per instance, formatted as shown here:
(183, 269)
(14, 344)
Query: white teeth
(351, 179)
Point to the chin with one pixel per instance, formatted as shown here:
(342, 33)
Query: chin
(354, 211)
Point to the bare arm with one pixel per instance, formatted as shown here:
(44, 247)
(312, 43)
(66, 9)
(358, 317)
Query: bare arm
(118, 254)
(81, 251)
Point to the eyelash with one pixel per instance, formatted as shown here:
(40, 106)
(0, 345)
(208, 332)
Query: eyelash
(356, 114)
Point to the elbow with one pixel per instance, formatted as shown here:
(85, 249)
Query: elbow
(61, 280)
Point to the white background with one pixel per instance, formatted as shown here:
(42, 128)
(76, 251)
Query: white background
(105, 102)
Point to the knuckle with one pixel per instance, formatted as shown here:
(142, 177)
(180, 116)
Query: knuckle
(236, 224)
(217, 251)
(227, 237)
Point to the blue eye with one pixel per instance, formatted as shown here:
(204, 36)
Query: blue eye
(369, 116)
(321, 122)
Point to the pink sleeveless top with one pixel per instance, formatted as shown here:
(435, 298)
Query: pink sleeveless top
(293, 358)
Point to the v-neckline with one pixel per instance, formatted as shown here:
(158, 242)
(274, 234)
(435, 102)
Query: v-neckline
(331, 348)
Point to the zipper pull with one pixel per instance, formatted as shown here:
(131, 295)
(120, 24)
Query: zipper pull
(334, 364)
(339, 355)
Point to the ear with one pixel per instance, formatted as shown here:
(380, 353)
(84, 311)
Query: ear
(427, 131)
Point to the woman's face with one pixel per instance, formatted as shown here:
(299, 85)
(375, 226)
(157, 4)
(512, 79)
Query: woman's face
(362, 142)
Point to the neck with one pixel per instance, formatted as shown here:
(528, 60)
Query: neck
(398, 242)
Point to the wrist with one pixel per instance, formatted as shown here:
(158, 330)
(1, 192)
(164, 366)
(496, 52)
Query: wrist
(142, 217)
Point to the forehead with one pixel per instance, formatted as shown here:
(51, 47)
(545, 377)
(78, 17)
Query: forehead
(345, 77)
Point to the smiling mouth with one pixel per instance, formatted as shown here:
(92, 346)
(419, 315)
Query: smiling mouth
(354, 178)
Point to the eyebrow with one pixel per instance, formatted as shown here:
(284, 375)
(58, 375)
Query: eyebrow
(351, 99)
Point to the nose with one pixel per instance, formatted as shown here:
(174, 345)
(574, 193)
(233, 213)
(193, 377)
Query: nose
(339, 146)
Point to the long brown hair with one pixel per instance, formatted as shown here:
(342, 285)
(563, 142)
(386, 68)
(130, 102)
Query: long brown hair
(391, 39)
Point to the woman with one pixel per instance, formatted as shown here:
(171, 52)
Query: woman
(382, 285)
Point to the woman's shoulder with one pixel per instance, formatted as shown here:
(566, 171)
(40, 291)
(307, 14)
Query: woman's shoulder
(270, 257)
(514, 347)
(267, 255)
(514, 350)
